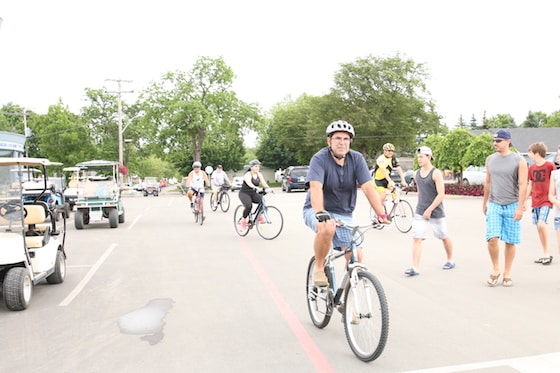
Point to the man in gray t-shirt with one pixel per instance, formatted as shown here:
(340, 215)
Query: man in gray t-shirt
(505, 192)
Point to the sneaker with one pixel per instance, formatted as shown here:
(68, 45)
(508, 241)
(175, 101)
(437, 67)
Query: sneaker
(215, 204)
(449, 265)
(261, 219)
(244, 224)
(192, 205)
(411, 272)
(320, 279)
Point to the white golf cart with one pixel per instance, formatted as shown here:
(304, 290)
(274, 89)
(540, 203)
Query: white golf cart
(99, 195)
(31, 248)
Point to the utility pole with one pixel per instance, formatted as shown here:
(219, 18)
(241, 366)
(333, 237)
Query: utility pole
(119, 93)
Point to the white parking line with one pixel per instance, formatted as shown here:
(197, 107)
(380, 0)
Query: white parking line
(74, 293)
(548, 363)
(134, 222)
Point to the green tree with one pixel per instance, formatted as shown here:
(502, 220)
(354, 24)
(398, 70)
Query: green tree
(185, 108)
(386, 99)
(61, 136)
(479, 149)
(535, 120)
(553, 120)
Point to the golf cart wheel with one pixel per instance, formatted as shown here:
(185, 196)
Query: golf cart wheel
(59, 274)
(113, 218)
(79, 219)
(17, 289)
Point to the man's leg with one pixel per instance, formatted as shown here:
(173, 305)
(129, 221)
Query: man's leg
(494, 251)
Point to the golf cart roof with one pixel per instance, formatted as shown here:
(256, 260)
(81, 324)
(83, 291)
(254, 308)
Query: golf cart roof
(71, 169)
(96, 163)
(27, 162)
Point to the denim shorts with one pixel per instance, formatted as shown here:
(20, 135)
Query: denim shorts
(342, 236)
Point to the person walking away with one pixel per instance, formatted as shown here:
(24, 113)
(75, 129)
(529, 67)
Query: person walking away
(554, 197)
(249, 192)
(218, 179)
(505, 192)
(196, 181)
(538, 189)
(429, 210)
(334, 172)
(384, 165)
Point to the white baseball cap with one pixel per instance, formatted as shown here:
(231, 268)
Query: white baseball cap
(425, 150)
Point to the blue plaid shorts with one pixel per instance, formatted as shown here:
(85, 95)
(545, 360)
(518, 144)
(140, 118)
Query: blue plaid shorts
(500, 223)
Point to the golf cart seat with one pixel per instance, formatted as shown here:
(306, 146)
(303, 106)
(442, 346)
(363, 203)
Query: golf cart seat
(37, 233)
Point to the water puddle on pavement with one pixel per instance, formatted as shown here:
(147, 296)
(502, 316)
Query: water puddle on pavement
(147, 321)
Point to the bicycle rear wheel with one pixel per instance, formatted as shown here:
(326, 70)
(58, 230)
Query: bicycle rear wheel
(319, 300)
(237, 217)
(366, 317)
(269, 223)
(403, 216)
(224, 202)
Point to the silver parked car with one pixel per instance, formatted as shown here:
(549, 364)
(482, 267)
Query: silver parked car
(474, 175)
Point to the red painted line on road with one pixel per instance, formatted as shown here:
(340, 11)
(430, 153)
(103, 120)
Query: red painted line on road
(313, 353)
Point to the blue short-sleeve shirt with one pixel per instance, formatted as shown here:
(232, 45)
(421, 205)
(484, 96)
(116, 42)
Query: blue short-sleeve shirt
(339, 182)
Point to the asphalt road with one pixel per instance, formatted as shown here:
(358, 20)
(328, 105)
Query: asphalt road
(162, 294)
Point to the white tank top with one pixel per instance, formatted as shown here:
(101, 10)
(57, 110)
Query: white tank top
(197, 180)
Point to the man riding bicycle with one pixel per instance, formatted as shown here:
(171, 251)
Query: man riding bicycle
(196, 181)
(384, 164)
(334, 173)
(219, 178)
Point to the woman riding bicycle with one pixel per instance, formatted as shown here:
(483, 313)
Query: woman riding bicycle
(384, 165)
(195, 181)
(248, 194)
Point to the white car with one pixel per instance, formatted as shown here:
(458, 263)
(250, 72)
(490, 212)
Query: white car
(474, 175)
(236, 183)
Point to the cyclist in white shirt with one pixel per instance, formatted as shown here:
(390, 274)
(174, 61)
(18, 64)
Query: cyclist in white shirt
(219, 178)
(195, 181)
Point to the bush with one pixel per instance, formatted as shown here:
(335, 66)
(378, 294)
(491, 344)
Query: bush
(459, 189)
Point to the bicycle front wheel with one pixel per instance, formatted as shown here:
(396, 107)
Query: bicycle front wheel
(366, 317)
(224, 202)
(269, 223)
(319, 299)
(403, 216)
(237, 217)
(201, 211)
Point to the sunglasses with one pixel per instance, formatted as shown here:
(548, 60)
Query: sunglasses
(498, 140)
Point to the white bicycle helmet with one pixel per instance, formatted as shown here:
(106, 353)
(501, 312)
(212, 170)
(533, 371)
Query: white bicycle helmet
(254, 162)
(340, 126)
(196, 164)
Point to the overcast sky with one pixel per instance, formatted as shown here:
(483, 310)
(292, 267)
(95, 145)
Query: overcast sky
(483, 56)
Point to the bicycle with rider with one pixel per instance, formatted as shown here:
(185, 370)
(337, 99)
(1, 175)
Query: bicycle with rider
(384, 164)
(219, 178)
(248, 194)
(196, 180)
(333, 174)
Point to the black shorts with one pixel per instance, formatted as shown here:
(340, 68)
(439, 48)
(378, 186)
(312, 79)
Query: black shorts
(381, 183)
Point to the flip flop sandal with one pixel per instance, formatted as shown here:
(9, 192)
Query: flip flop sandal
(507, 282)
(493, 280)
(546, 261)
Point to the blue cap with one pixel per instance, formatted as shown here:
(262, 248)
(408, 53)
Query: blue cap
(504, 135)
